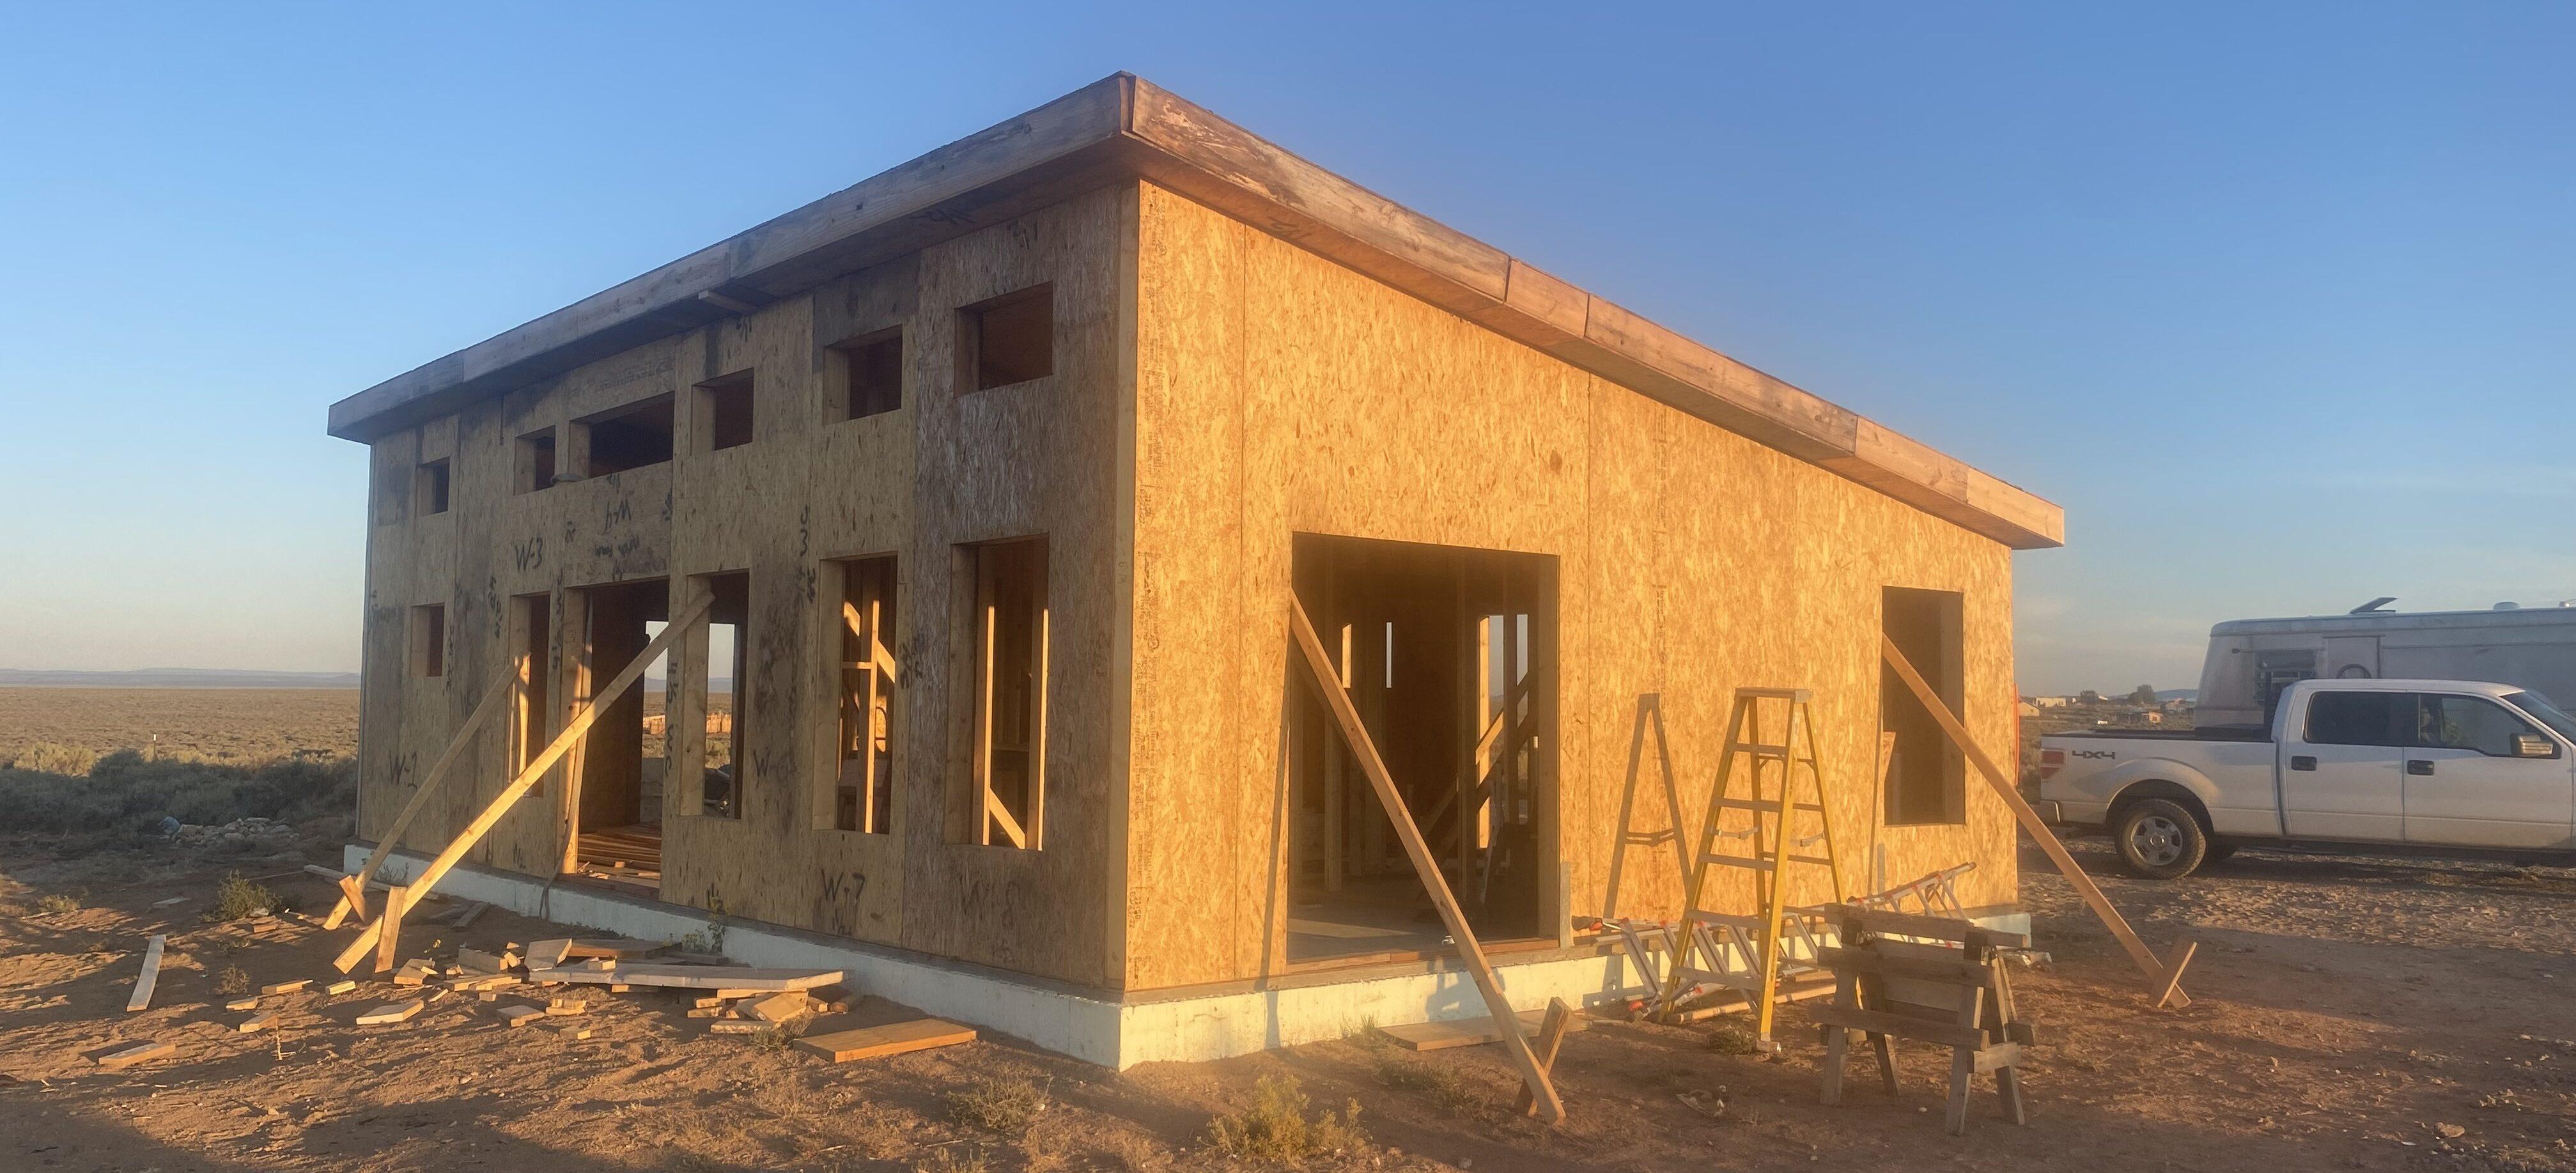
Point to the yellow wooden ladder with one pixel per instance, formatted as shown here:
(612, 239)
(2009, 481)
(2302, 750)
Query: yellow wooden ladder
(1746, 952)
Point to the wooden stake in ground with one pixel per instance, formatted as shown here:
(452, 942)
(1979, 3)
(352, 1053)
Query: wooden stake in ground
(2168, 977)
(501, 803)
(151, 973)
(1328, 685)
(1551, 1036)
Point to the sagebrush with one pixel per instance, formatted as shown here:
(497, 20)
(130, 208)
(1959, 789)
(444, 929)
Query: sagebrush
(240, 899)
(1275, 1128)
(1000, 1104)
(122, 794)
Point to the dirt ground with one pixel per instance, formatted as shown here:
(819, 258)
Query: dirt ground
(2361, 1014)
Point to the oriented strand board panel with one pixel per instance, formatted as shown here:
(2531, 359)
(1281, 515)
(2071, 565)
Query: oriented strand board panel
(946, 469)
(1277, 392)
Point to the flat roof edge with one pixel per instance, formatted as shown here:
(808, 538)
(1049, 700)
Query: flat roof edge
(1124, 126)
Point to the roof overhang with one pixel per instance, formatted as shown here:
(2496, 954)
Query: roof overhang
(1123, 126)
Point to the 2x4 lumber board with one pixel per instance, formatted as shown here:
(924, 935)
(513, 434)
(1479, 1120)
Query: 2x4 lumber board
(1903, 1026)
(385, 926)
(2168, 978)
(779, 1007)
(1363, 748)
(1551, 1038)
(893, 1039)
(392, 1012)
(151, 975)
(1464, 1032)
(353, 886)
(696, 977)
(614, 948)
(119, 1060)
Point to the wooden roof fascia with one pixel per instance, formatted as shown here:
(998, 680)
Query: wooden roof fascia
(1123, 126)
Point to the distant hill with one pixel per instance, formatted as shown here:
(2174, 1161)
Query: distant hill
(177, 678)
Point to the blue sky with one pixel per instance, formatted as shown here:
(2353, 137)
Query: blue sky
(2275, 300)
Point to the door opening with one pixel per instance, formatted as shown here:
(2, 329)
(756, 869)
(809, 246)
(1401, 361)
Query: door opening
(1450, 657)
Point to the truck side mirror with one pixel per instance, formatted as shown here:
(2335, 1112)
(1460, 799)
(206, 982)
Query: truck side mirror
(2533, 745)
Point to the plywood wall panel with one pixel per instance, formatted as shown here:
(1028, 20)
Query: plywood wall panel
(1692, 561)
(813, 486)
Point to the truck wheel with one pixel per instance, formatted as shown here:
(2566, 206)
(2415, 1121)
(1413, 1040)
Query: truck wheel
(2159, 840)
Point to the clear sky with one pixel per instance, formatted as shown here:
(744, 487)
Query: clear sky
(2278, 301)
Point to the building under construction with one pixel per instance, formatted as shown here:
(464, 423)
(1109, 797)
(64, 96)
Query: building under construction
(981, 492)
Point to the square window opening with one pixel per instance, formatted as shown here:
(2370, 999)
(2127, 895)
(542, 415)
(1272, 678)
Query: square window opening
(1006, 621)
(429, 640)
(1009, 339)
(1927, 777)
(724, 412)
(429, 489)
(874, 367)
(719, 674)
(859, 792)
(632, 436)
(535, 463)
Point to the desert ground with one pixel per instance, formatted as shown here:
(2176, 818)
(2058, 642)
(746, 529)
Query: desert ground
(2348, 1014)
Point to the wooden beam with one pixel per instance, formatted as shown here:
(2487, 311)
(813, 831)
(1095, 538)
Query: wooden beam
(2167, 977)
(527, 778)
(1425, 865)
(353, 886)
(151, 975)
(1551, 1037)
(893, 1039)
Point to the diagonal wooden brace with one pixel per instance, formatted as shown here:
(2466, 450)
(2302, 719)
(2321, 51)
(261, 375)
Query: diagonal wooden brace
(1328, 685)
(353, 888)
(2168, 977)
(582, 719)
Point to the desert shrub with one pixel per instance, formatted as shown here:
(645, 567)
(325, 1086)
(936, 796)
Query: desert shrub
(1443, 1085)
(1275, 1127)
(997, 1104)
(1726, 1038)
(232, 980)
(949, 1160)
(124, 794)
(46, 757)
(56, 904)
(240, 899)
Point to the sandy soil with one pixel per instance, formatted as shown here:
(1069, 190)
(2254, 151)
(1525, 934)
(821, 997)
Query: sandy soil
(2350, 1014)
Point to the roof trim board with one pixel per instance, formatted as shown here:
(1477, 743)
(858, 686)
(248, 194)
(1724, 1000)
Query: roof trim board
(1123, 126)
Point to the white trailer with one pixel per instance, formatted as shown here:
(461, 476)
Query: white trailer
(2252, 660)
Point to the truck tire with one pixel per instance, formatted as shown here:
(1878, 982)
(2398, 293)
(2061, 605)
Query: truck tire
(2158, 839)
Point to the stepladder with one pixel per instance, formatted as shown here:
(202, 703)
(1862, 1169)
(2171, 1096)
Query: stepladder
(1775, 831)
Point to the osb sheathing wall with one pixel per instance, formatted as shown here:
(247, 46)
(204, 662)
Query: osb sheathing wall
(1277, 392)
(947, 469)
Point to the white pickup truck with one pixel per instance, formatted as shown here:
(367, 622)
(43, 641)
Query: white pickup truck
(2443, 767)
